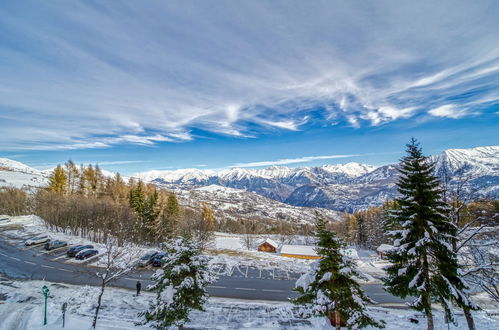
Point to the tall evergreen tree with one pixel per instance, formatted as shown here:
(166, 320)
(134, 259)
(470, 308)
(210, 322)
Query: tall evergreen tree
(58, 181)
(180, 285)
(329, 288)
(167, 221)
(423, 263)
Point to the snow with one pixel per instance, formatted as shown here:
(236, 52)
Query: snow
(21, 179)
(22, 309)
(304, 250)
(192, 175)
(383, 248)
(269, 241)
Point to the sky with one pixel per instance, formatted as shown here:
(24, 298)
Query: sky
(140, 85)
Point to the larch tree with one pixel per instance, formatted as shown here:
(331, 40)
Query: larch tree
(208, 216)
(424, 264)
(180, 285)
(329, 288)
(58, 181)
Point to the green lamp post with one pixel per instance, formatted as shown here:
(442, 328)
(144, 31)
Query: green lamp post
(45, 291)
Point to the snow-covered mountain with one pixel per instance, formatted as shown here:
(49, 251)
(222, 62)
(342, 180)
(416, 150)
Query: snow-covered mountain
(343, 187)
(19, 175)
(240, 204)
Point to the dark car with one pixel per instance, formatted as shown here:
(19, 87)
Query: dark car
(159, 259)
(147, 258)
(55, 245)
(85, 254)
(75, 249)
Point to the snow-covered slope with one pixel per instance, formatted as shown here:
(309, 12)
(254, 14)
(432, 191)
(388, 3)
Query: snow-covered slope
(15, 166)
(344, 187)
(474, 162)
(19, 175)
(241, 204)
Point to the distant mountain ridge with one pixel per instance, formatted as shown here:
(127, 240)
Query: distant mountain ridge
(342, 187)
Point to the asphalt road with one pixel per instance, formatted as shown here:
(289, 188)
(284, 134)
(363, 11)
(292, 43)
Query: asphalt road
(20, 262)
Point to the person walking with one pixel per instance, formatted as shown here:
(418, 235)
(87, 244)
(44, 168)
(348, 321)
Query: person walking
(138, 286)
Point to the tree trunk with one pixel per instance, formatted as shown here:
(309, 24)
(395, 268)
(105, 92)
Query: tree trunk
(337, 320)
(469, 318)
(99, 300)
(427, 296)
(429, 313)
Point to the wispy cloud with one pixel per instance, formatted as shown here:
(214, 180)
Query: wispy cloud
(78, 75)
(450, 111)
(288, 161)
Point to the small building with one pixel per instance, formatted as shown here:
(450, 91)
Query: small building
(383, 249)
(267, 245)
(299, 251)
(349, 252)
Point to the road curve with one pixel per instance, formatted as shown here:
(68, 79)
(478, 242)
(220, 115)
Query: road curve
(21, 263)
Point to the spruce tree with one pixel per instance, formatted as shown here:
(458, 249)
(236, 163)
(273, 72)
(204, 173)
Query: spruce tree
(180, 285)
(423, 263)
(329, 288)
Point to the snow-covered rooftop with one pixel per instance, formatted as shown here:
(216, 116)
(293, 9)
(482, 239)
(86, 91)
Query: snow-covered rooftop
(270, 241)
(384, 248)
(304, 250)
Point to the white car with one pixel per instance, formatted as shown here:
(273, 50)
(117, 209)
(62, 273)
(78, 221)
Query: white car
(37, 240)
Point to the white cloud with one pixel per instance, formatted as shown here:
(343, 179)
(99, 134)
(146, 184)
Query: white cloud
(291, 161)
(162, 69)
(449, 111)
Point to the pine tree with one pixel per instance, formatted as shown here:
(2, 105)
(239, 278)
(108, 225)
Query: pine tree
(58, 181)
(423, 263)
(137, 198)
(167, 221)
(180, 285)
(329, 289)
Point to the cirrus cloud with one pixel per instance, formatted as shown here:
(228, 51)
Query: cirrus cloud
(76, 75)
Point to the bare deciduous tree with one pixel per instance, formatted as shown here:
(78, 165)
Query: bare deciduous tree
(118, 261)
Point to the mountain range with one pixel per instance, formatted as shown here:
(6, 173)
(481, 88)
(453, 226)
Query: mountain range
(292, 194)
(343, 187)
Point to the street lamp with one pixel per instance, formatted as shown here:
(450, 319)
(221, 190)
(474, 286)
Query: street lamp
(45, 291)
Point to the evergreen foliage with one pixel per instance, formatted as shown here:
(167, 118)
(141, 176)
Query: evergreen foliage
(329, 288)
(180, 285)
(169, 218)
(423, 262)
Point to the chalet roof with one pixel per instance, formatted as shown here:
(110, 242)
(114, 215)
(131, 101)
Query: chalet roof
(302, 250)
(385, 248)
(269, 241)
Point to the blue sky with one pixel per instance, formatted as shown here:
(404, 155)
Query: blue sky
(136, 85)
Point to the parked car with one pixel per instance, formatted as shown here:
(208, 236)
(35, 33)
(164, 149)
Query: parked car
(55, 245)
(72, 252)
(159, 259)
(147, 258)
(85, 254)
(37, 240)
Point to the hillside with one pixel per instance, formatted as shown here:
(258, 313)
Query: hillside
(345, 187)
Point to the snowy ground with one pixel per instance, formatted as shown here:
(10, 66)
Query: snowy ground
(21, 308)
(227, 253)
